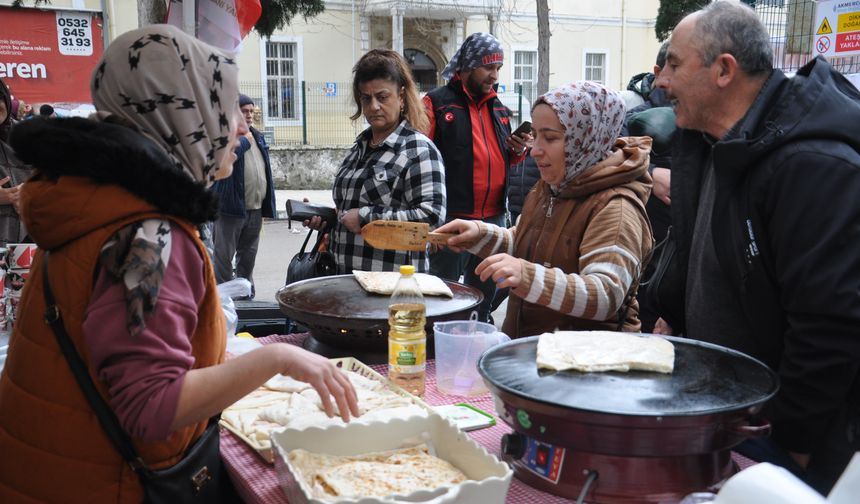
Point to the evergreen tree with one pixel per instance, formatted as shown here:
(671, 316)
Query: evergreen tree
(672, 11)
(279, 13)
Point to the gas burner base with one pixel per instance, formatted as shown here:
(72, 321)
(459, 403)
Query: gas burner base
(620, 479)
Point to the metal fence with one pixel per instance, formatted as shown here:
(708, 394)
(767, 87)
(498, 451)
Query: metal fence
(317, 113)
(310, 113)
(791, 27)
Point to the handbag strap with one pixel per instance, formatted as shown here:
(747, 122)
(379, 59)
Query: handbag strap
(106, 416)
(305, 244)
(320, 235)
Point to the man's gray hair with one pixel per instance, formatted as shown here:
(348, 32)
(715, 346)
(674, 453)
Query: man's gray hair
(661, 54)
(734, 28)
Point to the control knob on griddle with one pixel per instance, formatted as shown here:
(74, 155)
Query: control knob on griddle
(514, 444)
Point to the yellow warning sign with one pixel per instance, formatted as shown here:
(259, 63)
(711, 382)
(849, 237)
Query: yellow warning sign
(824, 29)
(850, 21)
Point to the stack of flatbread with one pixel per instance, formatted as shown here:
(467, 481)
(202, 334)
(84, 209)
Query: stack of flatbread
(594, 351)
(383, 282)
(395, 472)
(285, 402)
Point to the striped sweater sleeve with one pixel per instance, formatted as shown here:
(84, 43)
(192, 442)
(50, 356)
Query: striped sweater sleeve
(611, 255)
(493, 240)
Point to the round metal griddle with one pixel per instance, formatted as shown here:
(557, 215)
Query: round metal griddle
(707, 379)
(649, 437)
(346, 320)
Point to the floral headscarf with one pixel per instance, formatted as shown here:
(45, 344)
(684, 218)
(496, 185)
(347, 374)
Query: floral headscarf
(592, 116)
(180, 92)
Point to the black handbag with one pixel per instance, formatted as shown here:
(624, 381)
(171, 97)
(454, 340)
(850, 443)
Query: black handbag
(196, 478)
(311, 263)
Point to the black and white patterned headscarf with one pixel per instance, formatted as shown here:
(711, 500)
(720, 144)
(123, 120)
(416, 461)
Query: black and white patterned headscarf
(184, 95)
(478, 49)
(179, 91)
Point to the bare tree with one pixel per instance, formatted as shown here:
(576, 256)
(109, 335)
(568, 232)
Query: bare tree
(543, 46)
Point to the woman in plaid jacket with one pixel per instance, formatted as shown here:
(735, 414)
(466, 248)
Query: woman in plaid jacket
(393, 171)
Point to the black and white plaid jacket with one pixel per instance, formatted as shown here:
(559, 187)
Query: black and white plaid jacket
(402, 179)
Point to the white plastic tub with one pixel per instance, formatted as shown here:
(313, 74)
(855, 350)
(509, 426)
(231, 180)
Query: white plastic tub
(488, 482)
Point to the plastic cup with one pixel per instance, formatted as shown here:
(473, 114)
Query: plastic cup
(459, 344)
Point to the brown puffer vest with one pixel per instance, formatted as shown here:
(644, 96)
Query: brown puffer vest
(52, 447)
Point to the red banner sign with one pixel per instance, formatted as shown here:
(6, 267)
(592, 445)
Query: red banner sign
(47, 56)
(848, 42)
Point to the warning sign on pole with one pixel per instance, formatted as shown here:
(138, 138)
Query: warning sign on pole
(837, 25)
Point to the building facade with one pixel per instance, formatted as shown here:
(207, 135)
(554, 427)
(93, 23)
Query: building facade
(300, 77)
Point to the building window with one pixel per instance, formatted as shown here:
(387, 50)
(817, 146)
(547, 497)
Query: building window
(525, 73)
(281, 79)
(595, 67)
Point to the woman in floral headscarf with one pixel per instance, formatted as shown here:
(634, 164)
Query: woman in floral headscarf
(573, 259)
(117, 201)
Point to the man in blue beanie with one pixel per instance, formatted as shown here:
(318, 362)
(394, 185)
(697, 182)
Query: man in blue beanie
(247, 196)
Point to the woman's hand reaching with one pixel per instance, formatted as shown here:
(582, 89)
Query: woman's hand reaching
(467, 233)
(328, 380)
(505, 270)
(207, 391)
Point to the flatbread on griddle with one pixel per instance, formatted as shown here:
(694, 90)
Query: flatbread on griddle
(596, 351)
(383, 282)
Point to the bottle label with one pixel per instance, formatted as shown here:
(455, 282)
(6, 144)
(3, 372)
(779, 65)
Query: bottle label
(407, 357)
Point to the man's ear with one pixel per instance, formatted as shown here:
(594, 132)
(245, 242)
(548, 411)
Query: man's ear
(726, 69)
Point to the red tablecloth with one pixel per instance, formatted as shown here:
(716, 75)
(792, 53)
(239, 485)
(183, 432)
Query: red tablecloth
(256, 481)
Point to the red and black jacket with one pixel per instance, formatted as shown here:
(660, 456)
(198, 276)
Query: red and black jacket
(475, 190)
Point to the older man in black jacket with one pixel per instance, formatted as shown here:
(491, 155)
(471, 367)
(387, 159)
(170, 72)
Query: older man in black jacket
(766, 214)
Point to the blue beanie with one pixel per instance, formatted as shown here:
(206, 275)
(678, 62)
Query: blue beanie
(245, 100)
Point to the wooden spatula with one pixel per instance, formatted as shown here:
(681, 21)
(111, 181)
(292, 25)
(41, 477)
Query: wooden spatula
(401, 235)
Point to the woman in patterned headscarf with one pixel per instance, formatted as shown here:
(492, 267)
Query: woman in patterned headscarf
(573, 259)
(117, 200)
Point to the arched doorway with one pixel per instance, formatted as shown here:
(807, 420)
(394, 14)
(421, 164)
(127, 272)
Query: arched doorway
(423, 69)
